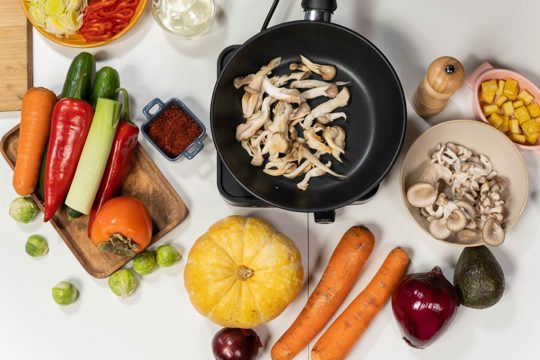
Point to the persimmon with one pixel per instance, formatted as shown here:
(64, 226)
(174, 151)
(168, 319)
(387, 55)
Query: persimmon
(122, 226)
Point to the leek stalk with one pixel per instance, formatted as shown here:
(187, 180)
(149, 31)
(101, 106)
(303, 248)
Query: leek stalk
(94, 156)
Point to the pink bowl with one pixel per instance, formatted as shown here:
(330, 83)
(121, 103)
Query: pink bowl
(487, 72)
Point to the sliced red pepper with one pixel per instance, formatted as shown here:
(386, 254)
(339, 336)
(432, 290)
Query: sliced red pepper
(70, 124)
(124, 144)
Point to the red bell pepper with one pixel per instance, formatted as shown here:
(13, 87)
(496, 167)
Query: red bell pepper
(70, 124)
(124, 143)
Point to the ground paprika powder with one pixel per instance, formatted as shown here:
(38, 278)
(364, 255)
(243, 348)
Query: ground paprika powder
(173, 131)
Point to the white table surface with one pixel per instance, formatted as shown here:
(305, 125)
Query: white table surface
(158, 322)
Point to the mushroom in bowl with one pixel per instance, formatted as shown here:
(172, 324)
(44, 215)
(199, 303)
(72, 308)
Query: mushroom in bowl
(464, 183)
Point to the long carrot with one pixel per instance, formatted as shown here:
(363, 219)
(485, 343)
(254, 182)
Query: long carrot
(340, 274)
(37, 106)
(340, 337)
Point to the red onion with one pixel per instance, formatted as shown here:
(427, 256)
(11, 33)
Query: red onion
(236, 344)
(423, 305)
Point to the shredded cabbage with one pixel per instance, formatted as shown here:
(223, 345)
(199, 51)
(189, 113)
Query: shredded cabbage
(59, 17)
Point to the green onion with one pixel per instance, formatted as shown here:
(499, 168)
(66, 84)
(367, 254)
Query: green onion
(94, 156)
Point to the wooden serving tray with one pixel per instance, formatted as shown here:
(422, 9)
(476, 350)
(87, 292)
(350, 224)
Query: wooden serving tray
(144, 182)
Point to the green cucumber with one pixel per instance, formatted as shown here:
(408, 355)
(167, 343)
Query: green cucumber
(72, 213)
(41, 179)
(106, 84)
(79, 77)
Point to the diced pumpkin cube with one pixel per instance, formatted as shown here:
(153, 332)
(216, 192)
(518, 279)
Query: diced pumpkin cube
(518, 138)
(496, 120)
(489, 88)
(500, 87)
(508, 108)
(517, 103)
(530, 127)
(490, 109)
(532, 139)
(522, 114)
(511, 89)
(513, 125)
(505, 125)
(500, 100)
(525, 96)
(534, 110)
(487, 97)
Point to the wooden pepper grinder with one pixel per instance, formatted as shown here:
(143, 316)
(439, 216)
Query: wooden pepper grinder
(443, 78)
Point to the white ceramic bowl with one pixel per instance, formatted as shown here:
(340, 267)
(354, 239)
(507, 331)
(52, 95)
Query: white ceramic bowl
(482, 139)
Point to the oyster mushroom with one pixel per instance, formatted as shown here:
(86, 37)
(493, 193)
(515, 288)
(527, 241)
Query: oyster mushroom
(282, 80)
(329, 91)
(251, 104)
(425, 191)
(255, 145)
(282, 113)
(327, 72)
(315, 142)
(341, 100)
(468, 236)
(335, 138)
(456, 221)
(255, 85)
(306, 165)
(328, 118)
(242, 80)
(492, 232)
(439, 230)
(288, 95)
(301, 111)
(278, 144)
(272, 136)
(278, 168)
(255, 122)
(303, 185)
(312, 83)
(313, 160)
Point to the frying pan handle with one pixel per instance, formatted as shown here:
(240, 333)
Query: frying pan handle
(319, 10)
(324, 217)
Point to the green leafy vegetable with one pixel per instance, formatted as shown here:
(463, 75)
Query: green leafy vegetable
(36, 246)
(145, 263)
(23, 209)
(123, 282)
(64, 293)
(167, 255)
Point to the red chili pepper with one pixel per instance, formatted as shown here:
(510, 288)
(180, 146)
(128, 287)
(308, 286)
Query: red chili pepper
(124, 143)
(70, 124)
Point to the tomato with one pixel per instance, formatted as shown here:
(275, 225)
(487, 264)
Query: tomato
(122, 226)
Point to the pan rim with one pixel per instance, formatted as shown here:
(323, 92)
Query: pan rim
(388, 167)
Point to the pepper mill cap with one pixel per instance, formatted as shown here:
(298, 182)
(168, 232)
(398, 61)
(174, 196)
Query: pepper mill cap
(445, 75)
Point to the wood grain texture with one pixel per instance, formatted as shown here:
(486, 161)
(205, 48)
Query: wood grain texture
(443, 78)
(144, 182)
(15, 55)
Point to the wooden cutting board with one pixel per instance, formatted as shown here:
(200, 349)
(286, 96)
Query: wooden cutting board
(144, 182)
(15, 55)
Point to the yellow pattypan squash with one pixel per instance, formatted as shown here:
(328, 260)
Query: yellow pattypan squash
(242, 273)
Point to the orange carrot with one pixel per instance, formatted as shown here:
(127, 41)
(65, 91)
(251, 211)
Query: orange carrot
(37, 106)
(340, 274)
(340, 337)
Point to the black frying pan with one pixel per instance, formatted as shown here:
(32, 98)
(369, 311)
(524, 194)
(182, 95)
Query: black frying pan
(376, 122)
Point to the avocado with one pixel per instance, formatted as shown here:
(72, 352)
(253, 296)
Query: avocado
(478, 278)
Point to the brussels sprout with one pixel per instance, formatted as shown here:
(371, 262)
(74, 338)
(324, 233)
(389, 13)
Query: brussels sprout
(166, 255)
(64, 293)
(123, 282)
(23, 209)
(145, 263)
(36, 245)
